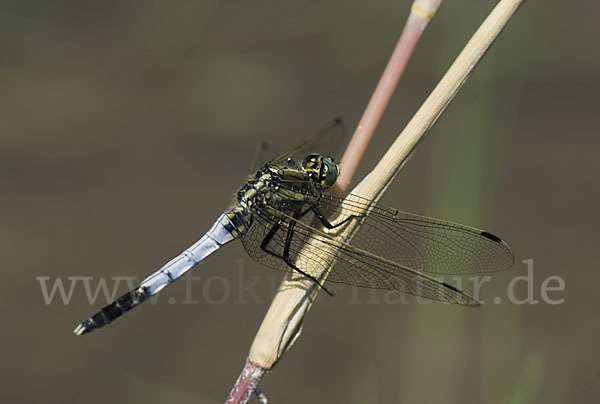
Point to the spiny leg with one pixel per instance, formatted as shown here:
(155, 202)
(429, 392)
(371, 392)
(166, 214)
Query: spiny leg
(319, 213)
(269, 237)
(276, 227)
(286, 254)
(286, 249)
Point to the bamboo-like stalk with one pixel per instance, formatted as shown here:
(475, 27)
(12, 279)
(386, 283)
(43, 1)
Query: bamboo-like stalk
(295, 295)
(283, 321)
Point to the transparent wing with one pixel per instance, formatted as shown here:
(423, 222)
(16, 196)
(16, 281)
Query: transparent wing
(264, 153)
(422, 243)
(327, 141)
(391, 250)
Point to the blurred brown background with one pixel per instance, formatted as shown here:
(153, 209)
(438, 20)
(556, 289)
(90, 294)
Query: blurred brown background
(126, 127)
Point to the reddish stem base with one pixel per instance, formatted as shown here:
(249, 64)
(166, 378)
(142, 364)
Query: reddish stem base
(245, 385)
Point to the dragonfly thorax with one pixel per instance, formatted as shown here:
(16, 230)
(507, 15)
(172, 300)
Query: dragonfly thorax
(286, 186)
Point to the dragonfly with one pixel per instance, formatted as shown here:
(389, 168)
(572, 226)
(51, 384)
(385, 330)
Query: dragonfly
(288, 202)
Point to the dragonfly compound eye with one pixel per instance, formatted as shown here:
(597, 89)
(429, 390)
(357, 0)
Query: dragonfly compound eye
(329, 172)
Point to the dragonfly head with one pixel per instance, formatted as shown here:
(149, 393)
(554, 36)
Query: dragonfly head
(321, 169)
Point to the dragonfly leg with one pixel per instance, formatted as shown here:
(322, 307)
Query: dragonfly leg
(286, 254)
(319, 213)
(286, 250)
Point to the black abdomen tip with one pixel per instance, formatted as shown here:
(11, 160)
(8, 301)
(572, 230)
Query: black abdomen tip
(490, 236)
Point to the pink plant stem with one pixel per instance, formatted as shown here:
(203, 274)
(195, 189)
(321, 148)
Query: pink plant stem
(245, 385)
(415, 25)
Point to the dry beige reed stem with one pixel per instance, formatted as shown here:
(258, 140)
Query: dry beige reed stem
(283, 321)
